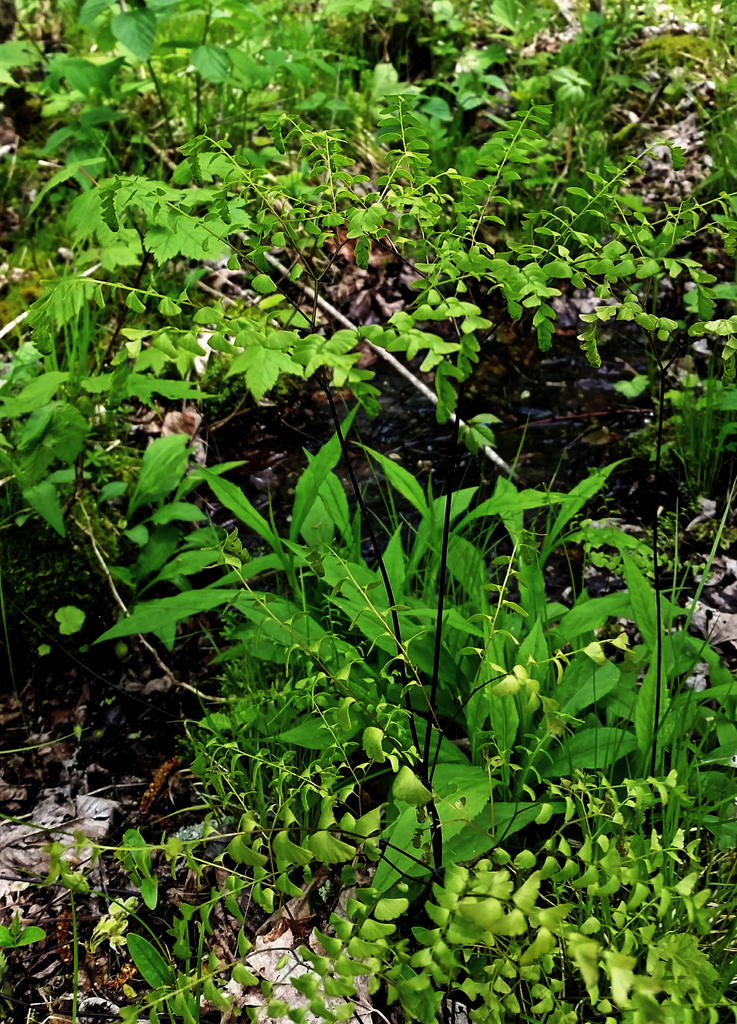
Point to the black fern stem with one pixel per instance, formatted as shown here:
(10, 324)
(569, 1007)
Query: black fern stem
(656, 566)
(448, 491)
(379, 557)
(124, 311)
(662, 371)
(436, 830)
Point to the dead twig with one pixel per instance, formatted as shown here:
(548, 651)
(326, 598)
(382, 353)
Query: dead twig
(121, 604)
(400, 368)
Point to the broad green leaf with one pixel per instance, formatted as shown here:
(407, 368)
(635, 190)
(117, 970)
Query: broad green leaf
(595, 651)
(621, 973)
(177, 511)
(261, 367)
(633, 388)
(585, 954)
(642, 596)
(597, 748)
(133, 302)
(308, 733)
(39, 392)
(583, 684)
(150, 892)
(27, 935)
(372, 742)
(212, 63)
(311, 480)
(235, 500)
(136, 30)
(525, 897)
(150, 963)
(161, 615)
(162, 467)
(647, 268)
(263, 284)
(142, 387)
(167, 307)
(44, 499)
(92, 9)
(544, 942)
(401, 480)
(592, 613)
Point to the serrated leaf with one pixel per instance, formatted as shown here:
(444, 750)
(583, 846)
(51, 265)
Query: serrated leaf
(212, 62)
(262, 367)
(92, 9)
(136, 30)
(362, 252)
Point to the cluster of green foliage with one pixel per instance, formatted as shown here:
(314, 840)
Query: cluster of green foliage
(521, 807)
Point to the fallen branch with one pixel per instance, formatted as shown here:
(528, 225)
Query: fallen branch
(336, 315)
(163, 667)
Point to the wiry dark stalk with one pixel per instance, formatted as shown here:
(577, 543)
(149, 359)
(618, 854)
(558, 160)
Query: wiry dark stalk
(124, 311)
(448, 490)
(436, 830)
(379, 558)
(656, 568)
(662, 370)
